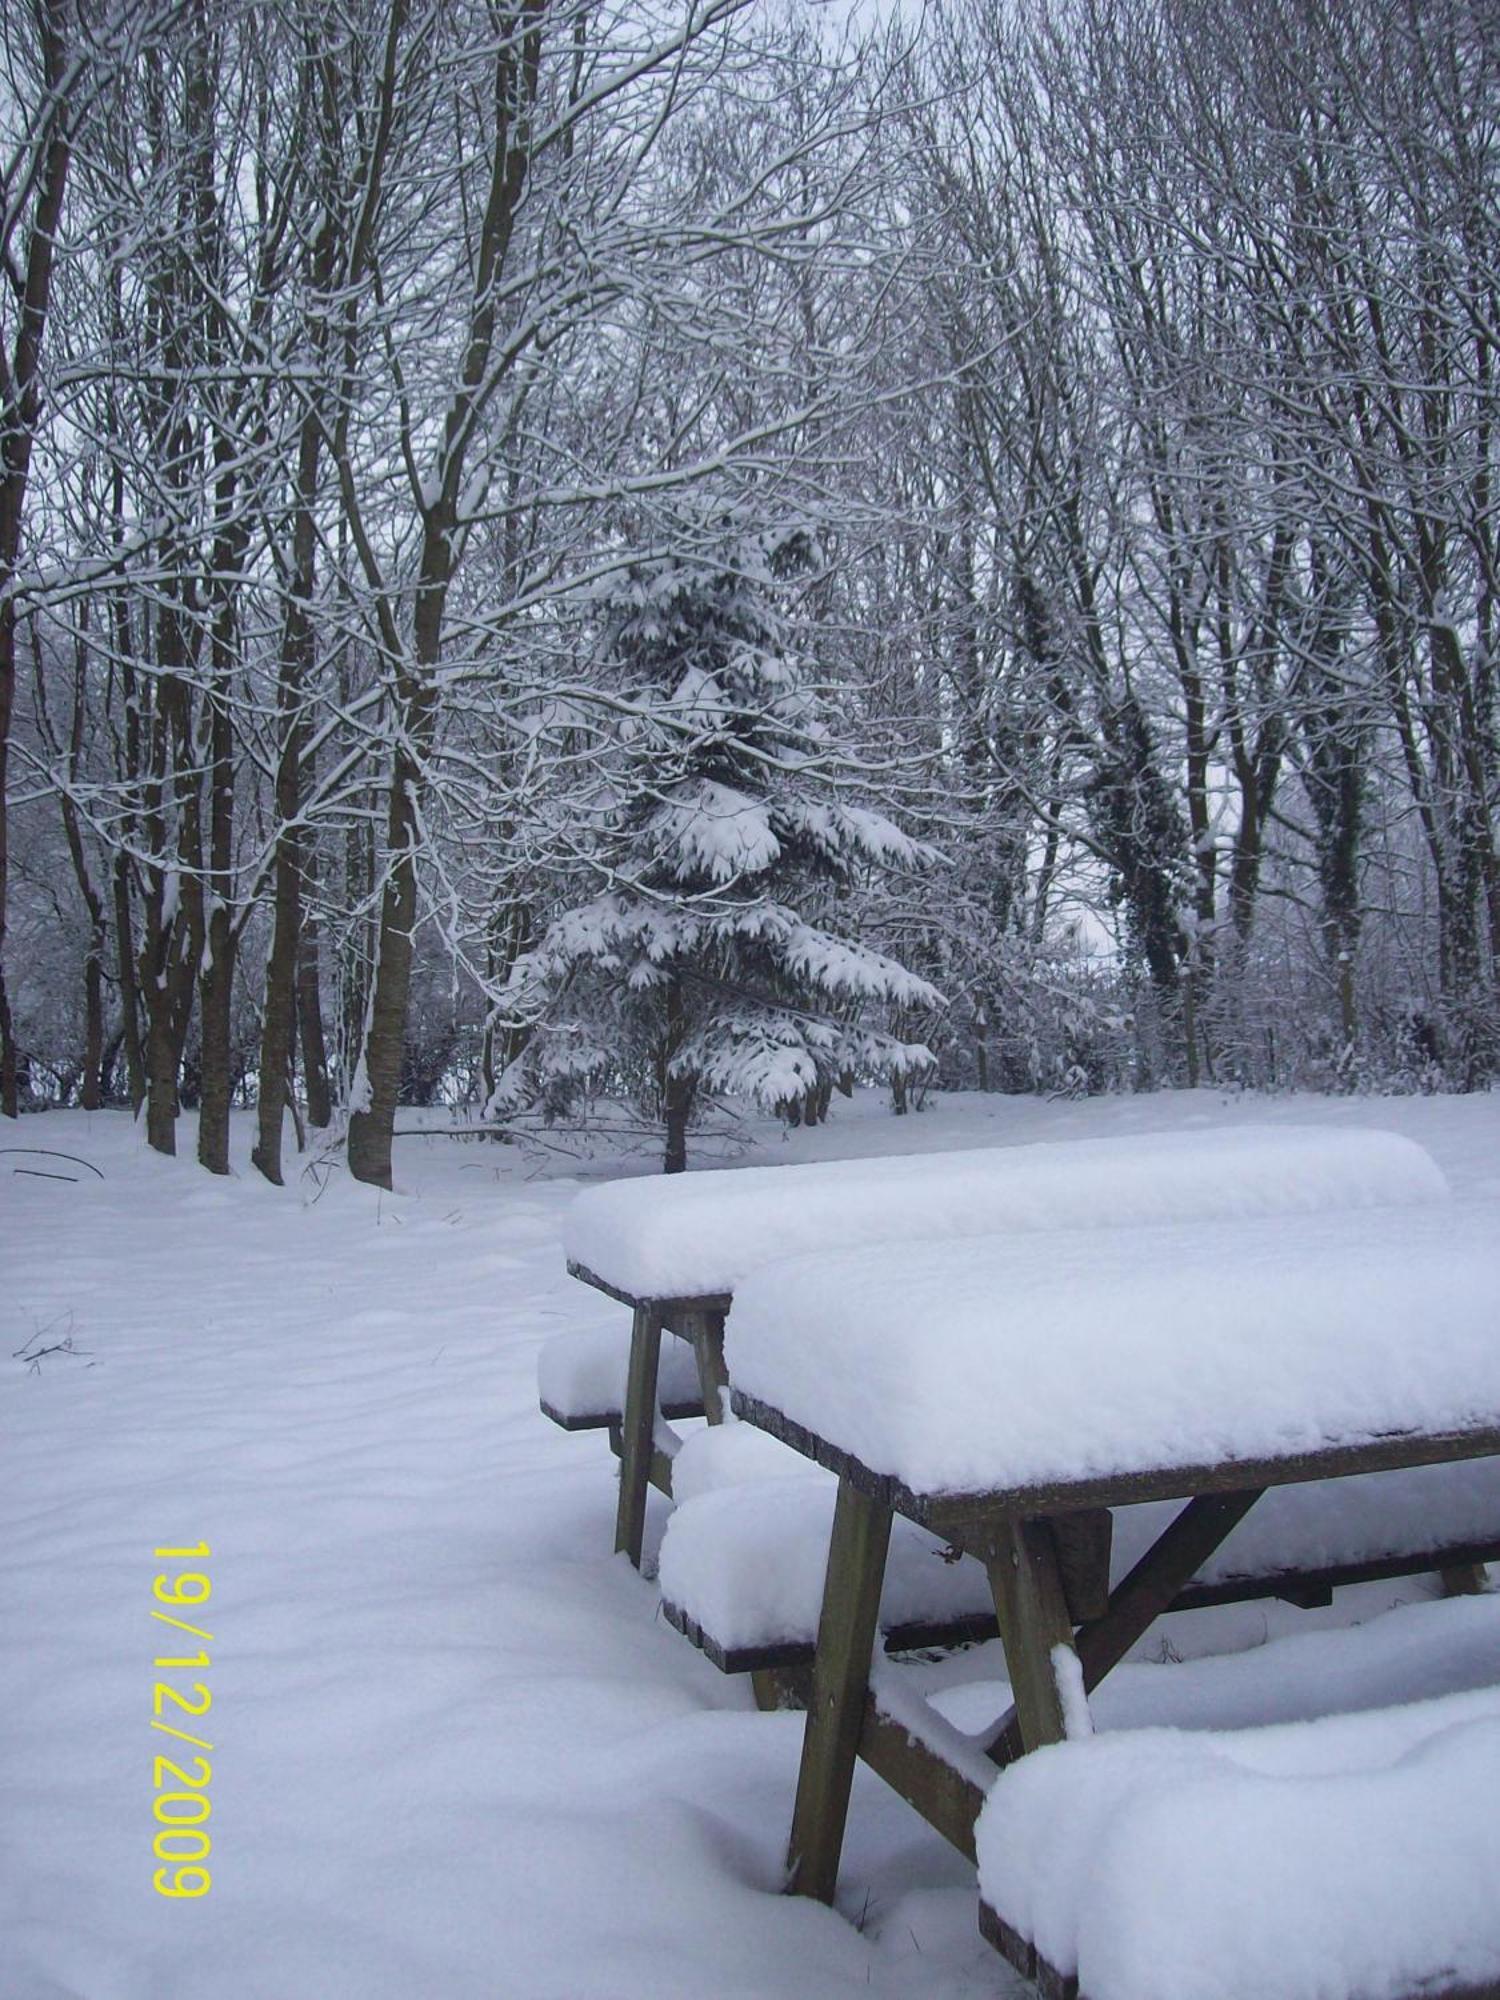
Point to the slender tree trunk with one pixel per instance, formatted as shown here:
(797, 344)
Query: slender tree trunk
(10, 1095)
(516, 66)
(163, 1057)
(130, 1000)
(677, 1090)
(378, 1082)
(279, 1021)
(310, 1006)
(216, 980)
(20, 410)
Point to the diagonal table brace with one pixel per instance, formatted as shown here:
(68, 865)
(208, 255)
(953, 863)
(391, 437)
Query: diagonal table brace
(1134, 1604)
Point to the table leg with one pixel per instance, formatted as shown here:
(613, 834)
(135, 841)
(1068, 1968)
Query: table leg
(1167, 1566)
(637, 1431)
(1032, 1610)
(836, 1708)
(706, 1331)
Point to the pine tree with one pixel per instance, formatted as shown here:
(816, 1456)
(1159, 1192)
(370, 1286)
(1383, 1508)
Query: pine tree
(710, 964)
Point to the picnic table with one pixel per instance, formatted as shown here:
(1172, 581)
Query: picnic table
(1006, 1394)
(675, 1251)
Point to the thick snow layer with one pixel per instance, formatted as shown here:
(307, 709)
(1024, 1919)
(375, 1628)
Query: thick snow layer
(458, 1751)
(583, 1374)
(734, 1454)
(747, 1564)
(1412, 1652)
(701, 1233)
(745, 1551)
(1333, 1522)
(1005, 1362)
(1354, 1858)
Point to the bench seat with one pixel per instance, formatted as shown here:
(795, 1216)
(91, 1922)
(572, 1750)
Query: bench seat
(743, 1561)
(581, 1379)
(1354, 1857)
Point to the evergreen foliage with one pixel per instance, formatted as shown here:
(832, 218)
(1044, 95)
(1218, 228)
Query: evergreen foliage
(715, 961)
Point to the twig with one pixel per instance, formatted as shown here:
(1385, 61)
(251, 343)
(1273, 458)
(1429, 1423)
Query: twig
(48, 1153)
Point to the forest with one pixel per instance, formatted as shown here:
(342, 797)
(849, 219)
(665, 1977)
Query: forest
(645, 553)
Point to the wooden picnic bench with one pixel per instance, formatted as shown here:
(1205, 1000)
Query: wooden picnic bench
(1007, 1397)
(640, 1432)
(674, 1250)
(742, 1565)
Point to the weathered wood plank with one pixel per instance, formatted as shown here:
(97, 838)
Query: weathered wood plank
(1084, 1541)
(659, 1470)
(602, 1420)
(778, 1689)
(948, 1514)
(946, 1798)
(1054, 1985)
(1463, 1579)
(1012, 1947)
(841, 1672)
(1141, 1597)
(1026, 1583)
(637, 1431)
(667, 1305)
(705, 1329)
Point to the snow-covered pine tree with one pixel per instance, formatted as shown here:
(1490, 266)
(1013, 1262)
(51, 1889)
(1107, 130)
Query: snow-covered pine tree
(709, 965)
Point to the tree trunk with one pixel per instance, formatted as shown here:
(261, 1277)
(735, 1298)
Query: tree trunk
(162, 1058)
(378, 1080)
(216, 981)
(10, 1095)
(45, 178)
(676, 1089)
(278, 1021)
(130, 1002)
(310, 1012)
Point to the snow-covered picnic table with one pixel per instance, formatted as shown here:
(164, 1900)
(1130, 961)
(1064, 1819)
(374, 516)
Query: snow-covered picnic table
(1005, 1393)
(676, 1250)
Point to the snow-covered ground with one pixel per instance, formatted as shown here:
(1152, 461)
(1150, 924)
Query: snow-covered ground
(458, 1755)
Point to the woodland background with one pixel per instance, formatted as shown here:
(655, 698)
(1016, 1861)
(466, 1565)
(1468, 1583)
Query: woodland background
(1053, 447)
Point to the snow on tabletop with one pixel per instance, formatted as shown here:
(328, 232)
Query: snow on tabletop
(1005, 1362)
(698, 1234)
(1352, 1856)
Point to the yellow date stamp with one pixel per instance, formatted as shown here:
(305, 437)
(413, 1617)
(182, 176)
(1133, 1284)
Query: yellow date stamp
(179, 1783)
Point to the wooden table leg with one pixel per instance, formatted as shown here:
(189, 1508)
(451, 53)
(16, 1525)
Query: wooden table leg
(1032, 1610)
(836, 1708)
(637, 1431)
(1167, 1566)
(706, 1331)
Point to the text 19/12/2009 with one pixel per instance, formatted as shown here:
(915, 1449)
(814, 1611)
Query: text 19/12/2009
(180, 1782)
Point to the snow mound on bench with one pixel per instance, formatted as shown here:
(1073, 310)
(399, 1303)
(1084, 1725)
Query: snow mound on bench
(1338, 1523)
(736, 1454)
(746, 1564)
(699, 1234)
(1420, 1651)
(1352, 1856)
(582, 1375)
(1004, 1363)
(745, 1552)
